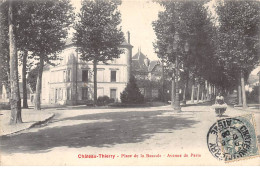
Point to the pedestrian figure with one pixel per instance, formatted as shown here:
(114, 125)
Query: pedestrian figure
(220, 106)
(219, 99)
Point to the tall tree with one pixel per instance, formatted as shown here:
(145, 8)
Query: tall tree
(98, 34)
(15, 99)
(191, 20)
(23, 24)
(239, 33)
(46, 28)
(4, 48)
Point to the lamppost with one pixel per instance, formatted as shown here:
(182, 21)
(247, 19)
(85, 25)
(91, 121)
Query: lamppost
(173, 94)
(177, 106)
(186, 49)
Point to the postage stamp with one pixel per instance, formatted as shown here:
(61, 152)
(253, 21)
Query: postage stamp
(232, 139)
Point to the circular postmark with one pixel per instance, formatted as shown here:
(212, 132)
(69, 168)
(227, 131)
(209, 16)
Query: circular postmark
(214, 143)
(232, 138)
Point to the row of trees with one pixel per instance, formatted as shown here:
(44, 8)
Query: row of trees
(37, 30)
(222, 48)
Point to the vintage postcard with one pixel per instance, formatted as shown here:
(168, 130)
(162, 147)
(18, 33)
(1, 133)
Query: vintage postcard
(129, 83)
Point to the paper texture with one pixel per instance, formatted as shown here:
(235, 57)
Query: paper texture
(70, 131)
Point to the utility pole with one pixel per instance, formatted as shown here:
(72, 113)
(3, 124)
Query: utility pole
(163, 97)
(173, 89)
(177, 107)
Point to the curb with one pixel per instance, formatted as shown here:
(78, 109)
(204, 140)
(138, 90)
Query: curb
(247, 109)
(41, 122)
(31, 126)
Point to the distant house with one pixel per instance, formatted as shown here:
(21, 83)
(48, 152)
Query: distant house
(5, 96)
(148, 75)
(253, 80)
(71, 81)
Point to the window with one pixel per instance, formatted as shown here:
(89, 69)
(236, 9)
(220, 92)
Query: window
(113, 76)
(68, 75)
(84, 75)
(113, 93)
(84, 93)
(68, 94)
(56, 95)
(64, 76)
(100, 75)
(61, 92)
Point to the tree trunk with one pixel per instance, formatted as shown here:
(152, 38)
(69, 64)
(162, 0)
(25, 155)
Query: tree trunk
(202, 94)
(15, 99)
(7, 84)
(209, 91)
(212, 91)
(206, 90)
(37, 103)
(177, 107)
(192, 92)
(243, 90)
(163, 94)
(173, 90)
(184, 94)
(259, 89)
(25, 104)
(198, 94)
(239, 93)
(95, 81)
(185, 88)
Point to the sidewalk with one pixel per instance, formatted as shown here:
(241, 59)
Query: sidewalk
(251, 108)
(30, 119)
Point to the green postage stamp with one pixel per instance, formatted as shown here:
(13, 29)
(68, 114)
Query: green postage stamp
(234, 138)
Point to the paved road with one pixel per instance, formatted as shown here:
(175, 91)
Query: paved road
(155, 130)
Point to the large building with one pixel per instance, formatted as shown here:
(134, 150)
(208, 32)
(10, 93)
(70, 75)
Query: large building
(148, 75)
(71, 81)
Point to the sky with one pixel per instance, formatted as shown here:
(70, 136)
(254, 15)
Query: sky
(137, 17)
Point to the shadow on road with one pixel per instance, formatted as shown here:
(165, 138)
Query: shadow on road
(122, 127)
(207, 103)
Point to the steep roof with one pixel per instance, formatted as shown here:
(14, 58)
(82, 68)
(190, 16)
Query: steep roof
(135, 65)
(126, 44)
(152, 65)
(139, 55)
(139, 63)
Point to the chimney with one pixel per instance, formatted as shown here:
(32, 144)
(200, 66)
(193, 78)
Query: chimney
(128, 37)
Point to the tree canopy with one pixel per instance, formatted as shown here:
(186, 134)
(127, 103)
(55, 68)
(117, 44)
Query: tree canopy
(98, 35)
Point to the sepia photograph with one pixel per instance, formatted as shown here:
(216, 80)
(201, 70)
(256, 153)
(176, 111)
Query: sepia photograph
(129, 82)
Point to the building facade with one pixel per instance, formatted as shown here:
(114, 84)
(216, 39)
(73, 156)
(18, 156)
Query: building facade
(71, 82)
(148, 75)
